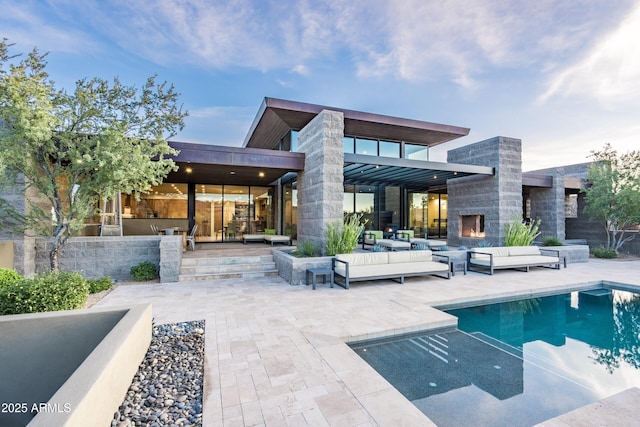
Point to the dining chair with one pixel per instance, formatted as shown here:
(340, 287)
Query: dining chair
(191, 238)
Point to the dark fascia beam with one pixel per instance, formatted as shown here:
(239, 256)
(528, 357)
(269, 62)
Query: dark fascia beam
(417, 164)
(237, 156)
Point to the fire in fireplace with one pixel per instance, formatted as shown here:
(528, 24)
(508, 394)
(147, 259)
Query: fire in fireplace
(472, 226)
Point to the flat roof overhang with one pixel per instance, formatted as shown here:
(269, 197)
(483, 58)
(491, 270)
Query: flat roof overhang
(215, 164)
(277, 116)
(546, 181)
(413, 174)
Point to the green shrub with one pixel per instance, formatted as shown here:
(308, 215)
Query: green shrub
(8, 276)
(342, 238)
(517, 233)
(99, 285)
(607, 253)
(146, 270)
(551, 241)
(306, 249)
(48, 292)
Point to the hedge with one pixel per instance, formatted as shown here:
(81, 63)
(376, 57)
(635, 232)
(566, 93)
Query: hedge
(47, 292)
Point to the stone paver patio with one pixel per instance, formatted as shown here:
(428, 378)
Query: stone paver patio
(276, 354)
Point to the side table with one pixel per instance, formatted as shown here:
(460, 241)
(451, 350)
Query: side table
(315, 272)
(455, 264)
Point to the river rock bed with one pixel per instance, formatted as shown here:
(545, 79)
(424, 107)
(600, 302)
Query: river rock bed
(167, 389)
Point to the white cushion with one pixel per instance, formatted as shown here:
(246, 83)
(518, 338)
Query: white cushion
(409, 256)
(253, 237)
(276, 238)
(362, 258)
(523, 250)
(500, 251)
(358, 271)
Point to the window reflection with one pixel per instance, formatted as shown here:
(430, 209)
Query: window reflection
(389, 149)
(416, 152)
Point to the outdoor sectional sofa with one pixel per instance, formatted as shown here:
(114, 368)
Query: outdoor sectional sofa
(485, 260)
(388, 265)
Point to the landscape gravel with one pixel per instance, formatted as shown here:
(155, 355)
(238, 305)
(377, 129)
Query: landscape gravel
(167, 389)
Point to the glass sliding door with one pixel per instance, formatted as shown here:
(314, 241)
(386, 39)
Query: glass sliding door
(261, 209)
(209, 215)
(290, 220)
(235, 212)
(419, 213)
(437, 215)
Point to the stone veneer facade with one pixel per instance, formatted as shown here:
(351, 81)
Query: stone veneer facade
(498, 198)
(547, 205)
(113, 256)
(321, 184)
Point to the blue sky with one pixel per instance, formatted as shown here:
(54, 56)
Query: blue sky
(563, 76)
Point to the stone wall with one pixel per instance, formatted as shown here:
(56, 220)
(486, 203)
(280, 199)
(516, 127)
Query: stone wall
(293, 269)
(547, 205)
(498, 198)
(321, 184)
(96, 257)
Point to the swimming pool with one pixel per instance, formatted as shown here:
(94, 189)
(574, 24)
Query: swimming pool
(519, 362)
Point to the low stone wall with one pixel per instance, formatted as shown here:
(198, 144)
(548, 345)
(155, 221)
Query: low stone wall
(113, 256)
(293, 269)
(572, 253)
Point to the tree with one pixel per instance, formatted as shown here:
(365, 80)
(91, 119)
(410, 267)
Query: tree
(71, 149)
(613, 194)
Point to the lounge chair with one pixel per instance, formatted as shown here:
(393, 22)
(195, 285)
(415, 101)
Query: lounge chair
(370, 238)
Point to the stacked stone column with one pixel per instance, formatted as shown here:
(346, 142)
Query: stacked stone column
(498, 198)
(321, 184)
(547, 205)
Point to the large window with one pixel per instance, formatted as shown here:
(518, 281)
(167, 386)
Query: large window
(394, 149)
(367, 146)
(360, 199)
(389, 149)
(163, 201)
(416, 152)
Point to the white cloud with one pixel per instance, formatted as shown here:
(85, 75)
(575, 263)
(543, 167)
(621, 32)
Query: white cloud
(300, 69)
(28, 29)
(610, 72)
(411, 40)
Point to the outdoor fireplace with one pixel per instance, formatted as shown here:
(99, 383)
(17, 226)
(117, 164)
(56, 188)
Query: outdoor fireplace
(472, 226)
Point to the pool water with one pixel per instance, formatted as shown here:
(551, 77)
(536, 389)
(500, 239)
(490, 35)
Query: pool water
(517, 363)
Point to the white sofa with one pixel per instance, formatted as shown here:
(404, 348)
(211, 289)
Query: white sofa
(485, 260)
(388, 265)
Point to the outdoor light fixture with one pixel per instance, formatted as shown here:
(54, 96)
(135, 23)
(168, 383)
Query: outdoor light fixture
(232, 172)
(261, 174)
(188, 170)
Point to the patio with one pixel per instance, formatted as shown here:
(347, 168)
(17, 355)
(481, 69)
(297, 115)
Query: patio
(275, 353)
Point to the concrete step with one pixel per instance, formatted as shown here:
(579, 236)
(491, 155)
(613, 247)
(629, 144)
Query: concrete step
(231, 260)
(236, 275)
(228, 268)
(214, 268)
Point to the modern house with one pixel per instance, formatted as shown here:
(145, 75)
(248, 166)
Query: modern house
(303, 166)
